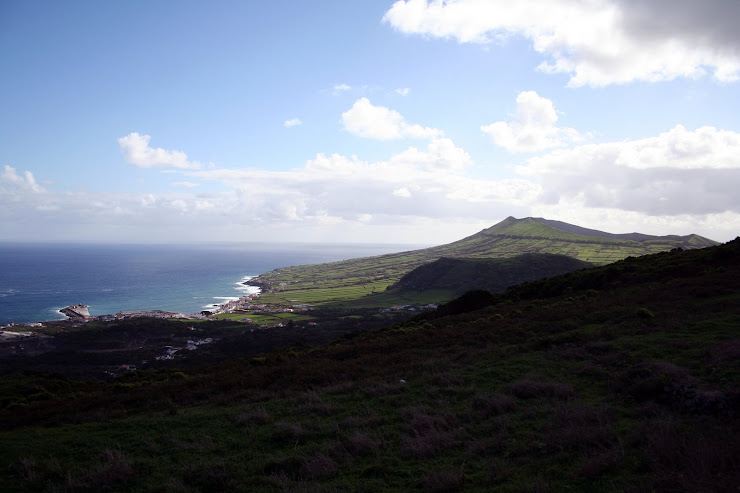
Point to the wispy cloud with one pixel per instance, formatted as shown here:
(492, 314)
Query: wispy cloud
(10, 179)
(186, 184)
(293, 122)
(403, 91)
(340, 88)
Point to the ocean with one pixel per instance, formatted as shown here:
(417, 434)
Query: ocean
(36, 280)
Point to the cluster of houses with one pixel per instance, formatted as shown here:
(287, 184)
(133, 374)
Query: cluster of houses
(169, 351)
(409, 308)
(246, 304)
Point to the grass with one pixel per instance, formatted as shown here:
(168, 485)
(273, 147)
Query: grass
(259, 318)
(557, 385)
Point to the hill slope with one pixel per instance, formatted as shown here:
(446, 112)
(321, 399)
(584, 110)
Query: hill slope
(351, 280)
(464, 274)
(686, 242)
(619, 378)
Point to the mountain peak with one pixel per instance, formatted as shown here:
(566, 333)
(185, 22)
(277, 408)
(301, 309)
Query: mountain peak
(514, 236)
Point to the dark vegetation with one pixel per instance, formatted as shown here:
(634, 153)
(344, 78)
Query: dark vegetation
(617, 378)
(495, 274)
(94, 350)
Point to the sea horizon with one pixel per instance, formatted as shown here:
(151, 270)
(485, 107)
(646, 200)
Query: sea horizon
(37, 279)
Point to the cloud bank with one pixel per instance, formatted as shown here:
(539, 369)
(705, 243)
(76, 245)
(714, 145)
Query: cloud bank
(596, 43)
(678, 172)
(679, 181)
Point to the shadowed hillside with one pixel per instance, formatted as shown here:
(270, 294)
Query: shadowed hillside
(462, 274)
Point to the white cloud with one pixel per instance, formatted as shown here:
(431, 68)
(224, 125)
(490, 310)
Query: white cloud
(293, 122)
(598, 43)
(378, 122)
(136, 150)
(678, 182)
(421, 184)
(706, 147)
(678, 172)
(340, 88)
(186, 184)
(440, 154)
(409, 195)
(532, 128)
(403, 91)
(22, 183)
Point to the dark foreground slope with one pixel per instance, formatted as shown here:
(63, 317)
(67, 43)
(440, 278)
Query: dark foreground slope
(619, 378)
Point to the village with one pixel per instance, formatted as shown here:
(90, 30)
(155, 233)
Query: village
(246, 304)
(21, 339)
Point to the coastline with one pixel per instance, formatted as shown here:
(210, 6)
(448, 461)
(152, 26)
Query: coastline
(257, 282)
(79, 312)
(39, 279)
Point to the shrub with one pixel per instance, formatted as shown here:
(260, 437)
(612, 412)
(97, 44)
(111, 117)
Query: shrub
(590, 293)
(343, 387)
(644, 314)
(576, 426)
(26, 468)
(287, 431)
(427, 443)
(178, 375)
(206, 476)
(444, 480)
(426, 433)
(532, 387)
(362, 444)
(310, 402)
(603, 461)
(318, 466)
(494, 404)
(256, 416)
(725, 351)
(114, 471)
(705, 459)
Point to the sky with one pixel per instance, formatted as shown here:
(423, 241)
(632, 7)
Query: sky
(413, 121)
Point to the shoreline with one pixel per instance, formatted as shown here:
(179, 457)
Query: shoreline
(80, 312)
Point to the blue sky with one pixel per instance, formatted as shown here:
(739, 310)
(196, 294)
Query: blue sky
(406, 122)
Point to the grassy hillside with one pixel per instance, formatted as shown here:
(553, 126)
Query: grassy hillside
(350, 280)
(688, 241)
(620, 378)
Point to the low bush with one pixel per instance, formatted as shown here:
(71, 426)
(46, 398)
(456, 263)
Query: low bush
(444, 480)
(494, 404)
(533, 387)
